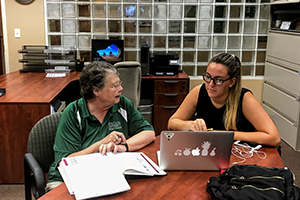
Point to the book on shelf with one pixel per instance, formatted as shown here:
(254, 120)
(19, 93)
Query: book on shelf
(94, 175)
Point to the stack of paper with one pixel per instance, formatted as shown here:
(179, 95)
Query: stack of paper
(95, 175)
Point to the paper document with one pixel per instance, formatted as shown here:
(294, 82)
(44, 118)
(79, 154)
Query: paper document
(135, 163)
(53, 75)
(94, 175)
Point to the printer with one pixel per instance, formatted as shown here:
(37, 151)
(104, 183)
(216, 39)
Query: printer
(164, 64)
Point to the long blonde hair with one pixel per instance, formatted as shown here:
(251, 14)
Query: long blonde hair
(232, 102)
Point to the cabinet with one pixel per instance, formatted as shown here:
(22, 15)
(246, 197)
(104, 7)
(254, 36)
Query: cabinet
(281, 92)
(168, 95)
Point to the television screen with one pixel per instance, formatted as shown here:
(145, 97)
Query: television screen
(111, 51)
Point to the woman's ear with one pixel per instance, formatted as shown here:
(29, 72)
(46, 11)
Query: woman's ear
(96, 91)
(232, 82)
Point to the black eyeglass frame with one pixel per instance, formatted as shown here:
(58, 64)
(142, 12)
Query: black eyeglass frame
(214, 79)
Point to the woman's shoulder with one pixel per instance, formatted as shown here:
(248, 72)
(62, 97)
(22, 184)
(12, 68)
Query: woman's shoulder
(76, 106)
(197, 88)
(244, 90)
(246, 96)
(125, 102)
(193, 95)
(72, 106)
(194, 92)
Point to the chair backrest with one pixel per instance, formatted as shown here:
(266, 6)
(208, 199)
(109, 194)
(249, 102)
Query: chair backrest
(131, 76)
(41, 140)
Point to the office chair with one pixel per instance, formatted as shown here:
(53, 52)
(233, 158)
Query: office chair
(131, 77)
(40, 155)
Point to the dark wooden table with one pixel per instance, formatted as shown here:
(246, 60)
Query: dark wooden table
(176, 185)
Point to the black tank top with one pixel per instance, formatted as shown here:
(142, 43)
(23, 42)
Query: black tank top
(215, 117)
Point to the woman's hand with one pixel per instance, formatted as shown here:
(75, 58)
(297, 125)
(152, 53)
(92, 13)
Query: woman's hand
(111, 146)
(111, 143)
(115, 137)
(198, 125)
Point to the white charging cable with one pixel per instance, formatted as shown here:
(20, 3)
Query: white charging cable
(246, 151)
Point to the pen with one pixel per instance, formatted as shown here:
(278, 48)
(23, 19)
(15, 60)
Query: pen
(120, 142)
(210, 129)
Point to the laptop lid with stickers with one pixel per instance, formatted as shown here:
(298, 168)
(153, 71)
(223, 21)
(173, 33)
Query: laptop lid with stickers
(189, 150)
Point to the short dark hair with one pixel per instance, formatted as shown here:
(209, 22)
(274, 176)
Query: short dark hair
(94, 76)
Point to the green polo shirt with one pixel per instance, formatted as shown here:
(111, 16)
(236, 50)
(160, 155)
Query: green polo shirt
(78, 129)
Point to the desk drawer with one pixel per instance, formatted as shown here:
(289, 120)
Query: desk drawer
(284, 46)
(162, 113)
(171, 86)
(283, 78)
(168, 99)
(283, 102)
(287, 130)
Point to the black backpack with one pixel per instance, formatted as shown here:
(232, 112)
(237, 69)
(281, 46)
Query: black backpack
(245, 182)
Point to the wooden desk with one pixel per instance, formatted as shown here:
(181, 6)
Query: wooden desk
(28, 98)
(176, 185)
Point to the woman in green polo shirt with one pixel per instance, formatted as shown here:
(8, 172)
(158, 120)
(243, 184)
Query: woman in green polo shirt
(101, 121)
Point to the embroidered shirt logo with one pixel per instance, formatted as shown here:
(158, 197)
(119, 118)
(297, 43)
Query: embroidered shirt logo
(114, 125)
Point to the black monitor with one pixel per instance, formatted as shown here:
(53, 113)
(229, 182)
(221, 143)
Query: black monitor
(111, 51)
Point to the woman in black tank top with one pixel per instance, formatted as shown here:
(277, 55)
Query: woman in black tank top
(222, 104)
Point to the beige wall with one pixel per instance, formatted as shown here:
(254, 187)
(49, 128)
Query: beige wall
(255, 85)
(30, 20)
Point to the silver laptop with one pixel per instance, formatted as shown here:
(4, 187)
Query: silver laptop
(189, 150)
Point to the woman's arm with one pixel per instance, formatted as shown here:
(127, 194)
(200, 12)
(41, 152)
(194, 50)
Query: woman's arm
(140, 140)
(136, 142)
(112, 140)
(180, 120)
(267, 132)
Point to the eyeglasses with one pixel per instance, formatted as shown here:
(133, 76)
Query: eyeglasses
(117, 86)
(216, 80)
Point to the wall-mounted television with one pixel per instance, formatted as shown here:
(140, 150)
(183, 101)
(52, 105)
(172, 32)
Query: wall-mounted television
(111, 51)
